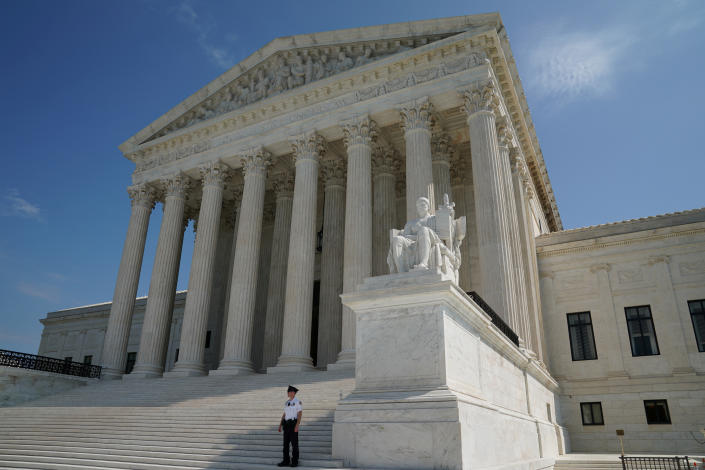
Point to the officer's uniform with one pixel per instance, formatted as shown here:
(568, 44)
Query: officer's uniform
(291, 410)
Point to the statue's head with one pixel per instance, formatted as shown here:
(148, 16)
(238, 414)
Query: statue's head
(422, 206)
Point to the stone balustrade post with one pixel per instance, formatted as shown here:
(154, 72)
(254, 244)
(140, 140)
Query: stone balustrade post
(243, 290)
(298, 304)
(357, 261)
(284, 189)
(329, 305)
(198, 298)
(114, 355)
(151, 355)
(416, 123)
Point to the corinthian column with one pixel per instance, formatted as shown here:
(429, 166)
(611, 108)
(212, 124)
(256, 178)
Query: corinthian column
(284, 188)
(116, 336)
(357, 261)
(442, 153)
(329, 306)
(298, 302)
(416, 122)
(495, 245)
(162, 288)
(243, 291)
(233, 217)
(200, 283)
(457, 179)
(384, 212)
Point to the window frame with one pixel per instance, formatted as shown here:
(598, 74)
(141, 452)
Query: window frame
(88, 359)
(668, 412)
(592, 404)
(692, 320)
(570, 335)
(639, 319)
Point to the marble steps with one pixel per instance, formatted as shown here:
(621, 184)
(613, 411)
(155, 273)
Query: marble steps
(587, 463)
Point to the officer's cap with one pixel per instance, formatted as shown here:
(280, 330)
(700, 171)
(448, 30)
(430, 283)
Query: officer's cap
(292, 389)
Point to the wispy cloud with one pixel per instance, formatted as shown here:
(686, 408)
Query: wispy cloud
(15, 205)
(203, 28)
(40, 291)
(565, 66)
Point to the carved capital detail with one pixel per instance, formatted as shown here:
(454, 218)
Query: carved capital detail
(255, 162)
(176, 185)
(214, 174)
(417, 114)
(333, 172)
(283, 183)
(504, 132)
(361, 131)
(385, 161)
(142, 195)
(521, 169)
(482, 96)
(600, 267)
(309, 146)
(441, 150)
(458, 172)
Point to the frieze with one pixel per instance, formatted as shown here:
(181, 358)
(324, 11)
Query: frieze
(147, 162)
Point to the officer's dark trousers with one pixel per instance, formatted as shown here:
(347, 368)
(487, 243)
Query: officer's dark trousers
(291, 437)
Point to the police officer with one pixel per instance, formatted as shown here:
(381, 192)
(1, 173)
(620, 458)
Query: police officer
(290, 421)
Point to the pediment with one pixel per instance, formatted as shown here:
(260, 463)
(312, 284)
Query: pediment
(291, 62)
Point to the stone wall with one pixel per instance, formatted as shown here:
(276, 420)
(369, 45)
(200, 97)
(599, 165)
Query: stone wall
(18, 386)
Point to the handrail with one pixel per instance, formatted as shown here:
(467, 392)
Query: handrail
(48, 364)
(657, 463)
(496, 319)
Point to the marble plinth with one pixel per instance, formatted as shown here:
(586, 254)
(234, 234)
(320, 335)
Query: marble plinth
(434, 379)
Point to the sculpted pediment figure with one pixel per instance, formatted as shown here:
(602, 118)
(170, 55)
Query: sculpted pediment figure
(429, 242)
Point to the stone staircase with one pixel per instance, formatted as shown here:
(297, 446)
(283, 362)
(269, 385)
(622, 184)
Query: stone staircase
(588, 462)
(173, 423)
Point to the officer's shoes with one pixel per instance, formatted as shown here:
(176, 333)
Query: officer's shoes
(283, 464)
(294, 464)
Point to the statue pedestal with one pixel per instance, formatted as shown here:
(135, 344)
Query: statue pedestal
(438, 386)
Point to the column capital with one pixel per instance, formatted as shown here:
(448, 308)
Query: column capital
(417, 114)
(521, 169)
(385, 161)
(458, 172)
(283, 183)
(176, 185)
(255, 162)
(214, 174)
(308, 146)
(359, 131)
(481, 96)
(442, 151)
(142, 195)
(333, 170)
(504, 131)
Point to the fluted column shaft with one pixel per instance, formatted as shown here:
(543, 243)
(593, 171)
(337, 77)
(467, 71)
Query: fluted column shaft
(298, 302)
(274, 320)
(117, 334)
(461, 209)
(198, 298)
(243, 291)
(416, 122)
(384, 210)
(357, 262)
(235, 215)
(329, 306)
(495, 246)
(441, 168)
(162, 288)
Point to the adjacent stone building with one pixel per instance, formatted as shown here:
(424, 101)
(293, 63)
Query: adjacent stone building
(295, 164)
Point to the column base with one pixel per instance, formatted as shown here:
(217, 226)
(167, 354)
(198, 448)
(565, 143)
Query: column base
(233, 368)
(346, 361)
(110, 374)
(288, 364)
(142, 374)
(187, 370)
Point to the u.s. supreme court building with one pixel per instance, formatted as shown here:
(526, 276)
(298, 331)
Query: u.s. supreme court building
(505, 341)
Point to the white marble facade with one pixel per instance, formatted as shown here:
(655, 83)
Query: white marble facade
(294, 166)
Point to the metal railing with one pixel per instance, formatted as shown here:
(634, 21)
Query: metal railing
(656, 463)
(496, 319)
(48, 364)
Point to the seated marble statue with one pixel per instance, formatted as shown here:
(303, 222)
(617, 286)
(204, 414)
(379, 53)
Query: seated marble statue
(430, 242)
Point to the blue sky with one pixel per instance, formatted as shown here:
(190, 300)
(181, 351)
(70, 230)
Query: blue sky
(615, 90)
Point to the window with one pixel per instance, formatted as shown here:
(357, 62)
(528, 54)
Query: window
(657, 412)
(592, 413)
(697, 315)
(642, 334)
(68, 358)
(87, 359)
(131, 358)
(582, 340)
(176, 356)
(208, 339)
